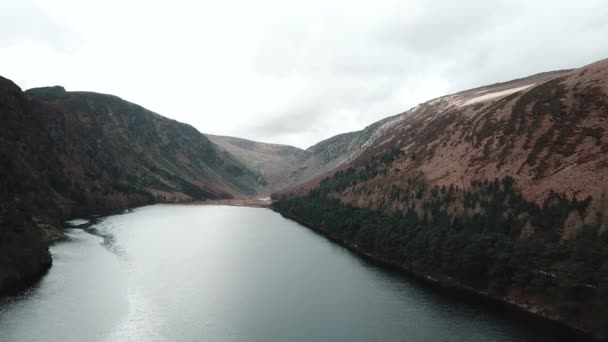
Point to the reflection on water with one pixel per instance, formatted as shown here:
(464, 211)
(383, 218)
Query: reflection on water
(80, 299)
(214, 273)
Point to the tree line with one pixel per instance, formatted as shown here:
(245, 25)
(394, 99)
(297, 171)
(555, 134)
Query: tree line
(487, 236)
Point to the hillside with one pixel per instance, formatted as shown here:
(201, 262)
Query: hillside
(281, 167)
(273, 163)
(501, 190)
(75, 153)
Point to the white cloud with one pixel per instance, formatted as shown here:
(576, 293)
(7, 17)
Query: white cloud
(291, 72)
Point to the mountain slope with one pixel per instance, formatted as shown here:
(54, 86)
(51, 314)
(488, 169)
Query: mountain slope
(428, 130)
(547, 133)
(72, 153)
(273, 163)
(282, 166)
(500, 190)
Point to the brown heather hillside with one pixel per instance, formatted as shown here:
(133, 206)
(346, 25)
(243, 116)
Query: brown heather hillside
(548, 131)
(74, 153)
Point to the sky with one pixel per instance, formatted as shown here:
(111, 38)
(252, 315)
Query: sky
(291, 72)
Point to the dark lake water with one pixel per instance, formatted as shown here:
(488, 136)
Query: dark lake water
(216, 273)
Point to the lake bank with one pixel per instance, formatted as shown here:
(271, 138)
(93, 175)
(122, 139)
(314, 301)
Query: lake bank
(533, 312)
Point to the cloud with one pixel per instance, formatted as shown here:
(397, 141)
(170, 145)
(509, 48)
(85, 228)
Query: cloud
(293, 72)
(26, 22)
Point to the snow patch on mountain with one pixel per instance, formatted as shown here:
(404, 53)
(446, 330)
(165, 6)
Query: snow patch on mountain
(495, 95)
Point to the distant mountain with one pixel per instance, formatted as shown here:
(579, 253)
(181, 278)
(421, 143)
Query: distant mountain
(273, 163)
(501, 190)
(73, 153)
(282, 166)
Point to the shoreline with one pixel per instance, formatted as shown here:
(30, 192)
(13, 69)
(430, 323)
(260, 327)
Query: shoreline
(453, 287)
(236, 202)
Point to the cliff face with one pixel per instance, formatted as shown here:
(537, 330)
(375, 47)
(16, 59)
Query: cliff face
(72, 153)
(501, 189)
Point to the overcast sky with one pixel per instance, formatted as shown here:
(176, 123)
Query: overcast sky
(292, 72)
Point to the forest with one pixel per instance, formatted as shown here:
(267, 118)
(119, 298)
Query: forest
(487, 237)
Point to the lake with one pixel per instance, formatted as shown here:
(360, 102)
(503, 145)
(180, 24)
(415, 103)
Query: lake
(219, 273)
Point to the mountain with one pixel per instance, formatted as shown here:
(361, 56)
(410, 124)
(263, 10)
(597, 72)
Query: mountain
(500, 190)
(282, 166)
(74, 153)
(273, 163)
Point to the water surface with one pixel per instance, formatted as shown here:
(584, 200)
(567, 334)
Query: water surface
(216, 273)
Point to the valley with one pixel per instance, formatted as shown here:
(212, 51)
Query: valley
(501, 189)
